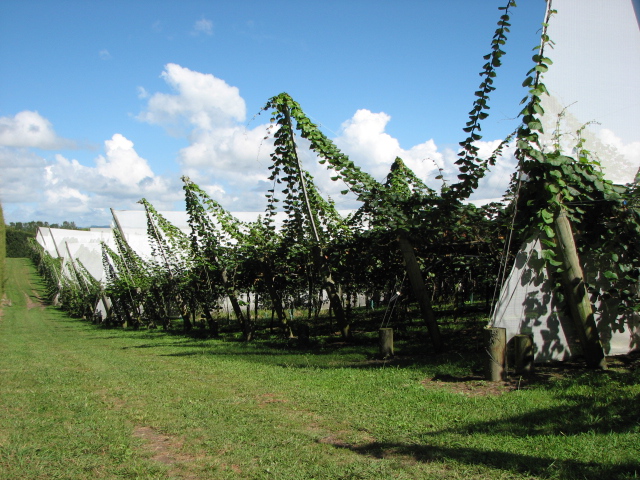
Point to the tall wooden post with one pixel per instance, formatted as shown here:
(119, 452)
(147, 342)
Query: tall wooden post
(321, 263)
(130, 322)
(275, 298)
(420, 291)
(576, 293)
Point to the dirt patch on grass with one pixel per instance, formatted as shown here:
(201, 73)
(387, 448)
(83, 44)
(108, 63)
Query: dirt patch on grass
(348, 438)
(163, 449)
(476, 386)
(166, 450)
(31, 303)
(268, 398)
(473, 386)
(32, 299)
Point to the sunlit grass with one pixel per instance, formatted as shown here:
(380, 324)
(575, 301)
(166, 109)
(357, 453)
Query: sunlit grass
(78, 401)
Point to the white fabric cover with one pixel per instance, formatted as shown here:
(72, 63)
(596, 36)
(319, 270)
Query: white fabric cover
(594, 75)
(527, 305)
(594, 80)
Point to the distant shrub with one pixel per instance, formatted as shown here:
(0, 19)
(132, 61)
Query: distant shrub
(17, 242)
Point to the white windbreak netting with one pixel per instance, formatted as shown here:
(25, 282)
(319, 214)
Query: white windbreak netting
(85, 246)
(136, 220)
(76, 245)
(593, 83)
(527, 306)
(594, 79)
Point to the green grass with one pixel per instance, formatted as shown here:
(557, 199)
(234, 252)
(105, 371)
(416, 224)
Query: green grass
(3, 252)
(77, 402)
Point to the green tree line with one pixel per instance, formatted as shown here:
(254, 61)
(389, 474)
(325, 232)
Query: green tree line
(16, 235)
(32, 227)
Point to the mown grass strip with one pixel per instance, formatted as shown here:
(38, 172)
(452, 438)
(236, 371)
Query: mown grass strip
(81, 402)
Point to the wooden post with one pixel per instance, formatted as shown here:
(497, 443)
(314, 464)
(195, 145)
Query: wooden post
(576, 293)
(276, 303)
(495, 342)
(420, 291)
(319, 257)
(523, 354)
(303, 334)
(385, 337)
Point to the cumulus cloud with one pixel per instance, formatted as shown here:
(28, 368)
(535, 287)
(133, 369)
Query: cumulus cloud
(22, 175)
(620, 160)
(496, 182)
(225, 157)
(202, 27)
(120, 174)
(122, 162)
(364, 139)
(71, 200)
(222, 153)
(142, 92)
(201, 100)
(363, 136)
(69, 190)
(29, 129)
(232, 160)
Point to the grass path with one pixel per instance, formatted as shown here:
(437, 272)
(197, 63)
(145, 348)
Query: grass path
(79, 402)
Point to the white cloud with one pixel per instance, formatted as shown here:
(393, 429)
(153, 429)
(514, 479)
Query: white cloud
(142, 92)
(202, 101)
(22, 175)
(222, 153)
(120, 175)
(364, 139)
(203, 26)
(104, 54)
(232, 160)
(496, 182)
(122, 163)
(69, 190)
(620, 160)
(31, 130)
(226, 158)
(70, 198)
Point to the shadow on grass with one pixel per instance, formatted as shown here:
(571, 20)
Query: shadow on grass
(412, 350)
(577, 414)
(543, 467)
(590, 403)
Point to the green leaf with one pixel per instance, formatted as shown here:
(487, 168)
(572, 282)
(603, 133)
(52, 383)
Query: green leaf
(547, 216)
(552, 188)
(610, 275)
(549, 231)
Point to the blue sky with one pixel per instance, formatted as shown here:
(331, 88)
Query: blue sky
(103, 103)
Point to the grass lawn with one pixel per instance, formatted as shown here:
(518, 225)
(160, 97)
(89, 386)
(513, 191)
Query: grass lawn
(78, 401)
